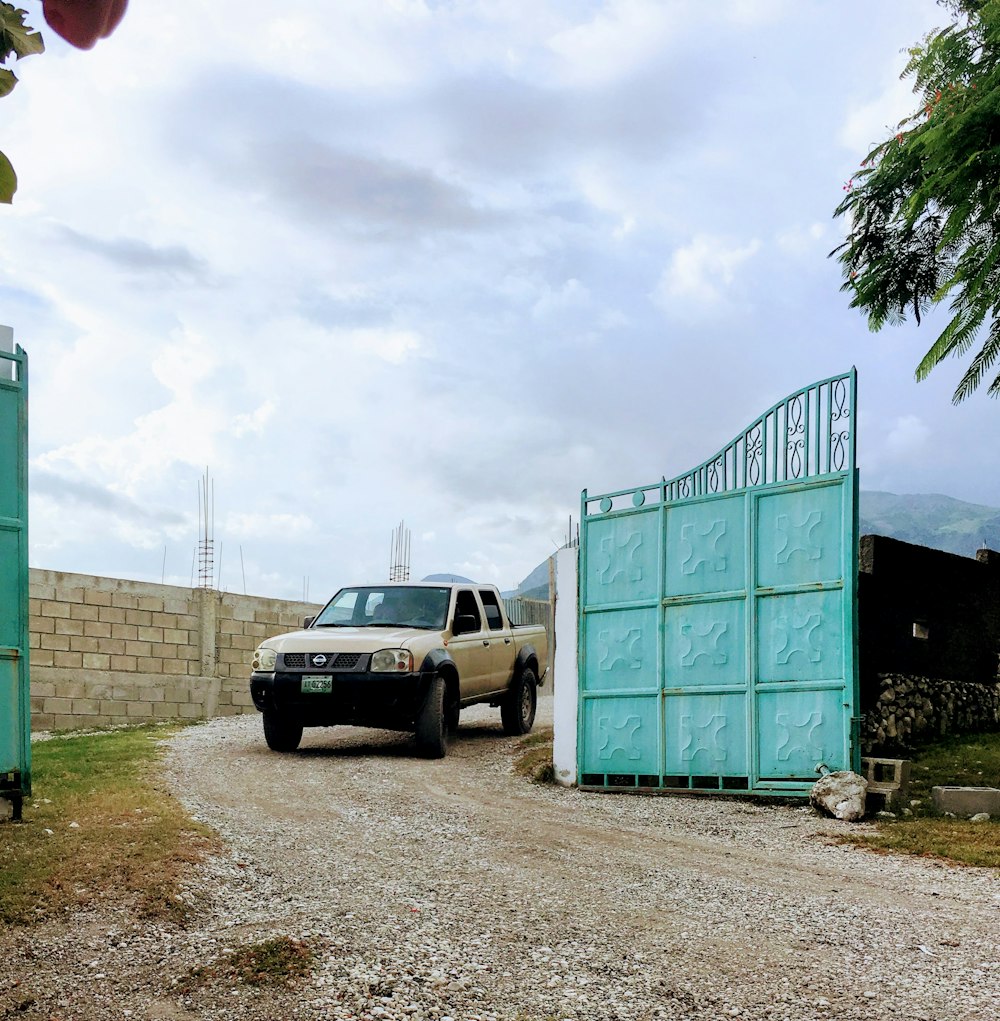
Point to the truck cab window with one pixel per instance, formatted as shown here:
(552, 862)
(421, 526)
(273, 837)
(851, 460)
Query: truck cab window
(466, 605)
(494, 618)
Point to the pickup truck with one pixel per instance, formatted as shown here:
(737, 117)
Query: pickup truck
(400, 656)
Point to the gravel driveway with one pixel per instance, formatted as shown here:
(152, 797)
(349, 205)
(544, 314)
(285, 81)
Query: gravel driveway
(454, 889)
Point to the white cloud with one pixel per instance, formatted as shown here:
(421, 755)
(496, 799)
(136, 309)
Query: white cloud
(907, 438)
(255, 525)
(702, 272)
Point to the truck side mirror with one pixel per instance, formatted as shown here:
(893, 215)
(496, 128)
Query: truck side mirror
(307, 621)
(464, 623)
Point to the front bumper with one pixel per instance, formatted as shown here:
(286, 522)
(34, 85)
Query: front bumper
(362, 699)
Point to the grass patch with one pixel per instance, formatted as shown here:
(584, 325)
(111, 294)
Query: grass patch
(98, 827)
(280, 961)
(969, 761)
(534, 757)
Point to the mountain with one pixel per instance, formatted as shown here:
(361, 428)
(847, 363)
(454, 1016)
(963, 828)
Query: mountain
(940, 522)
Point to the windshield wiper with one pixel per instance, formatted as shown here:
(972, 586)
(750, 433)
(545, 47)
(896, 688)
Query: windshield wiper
(332, 625)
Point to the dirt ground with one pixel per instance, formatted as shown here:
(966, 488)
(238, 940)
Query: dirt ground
(457, 889)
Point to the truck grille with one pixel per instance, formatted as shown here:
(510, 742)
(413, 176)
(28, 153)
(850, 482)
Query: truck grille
(343, 661)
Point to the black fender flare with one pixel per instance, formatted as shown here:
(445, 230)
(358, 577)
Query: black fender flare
(527, 656)
(437, 661)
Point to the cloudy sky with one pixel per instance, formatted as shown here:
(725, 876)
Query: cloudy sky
(447, 261)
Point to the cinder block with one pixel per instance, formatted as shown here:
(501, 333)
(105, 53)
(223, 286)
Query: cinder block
(34, 607)
(69, 593)
(126, 663)
(139, 709)
(138, 649)
(112, 614)
(42, 657)
(177, 693)
(71, 689)
(70, 722)
(230, 627)
(964, 800)
(126, 632)
(125, 692)
(143, 618)
(34, 640)
(41, 591)
(154, 694)
(187, 620)
(113, 708)
(82, 644)
(65, 626)
(150, 634)
(190, 711)
(165, 710)
(163, 620)
(97, 629)
(70, 660)
(152, 603)
(96, 661)
(266, 616)
(149, 665)
(244, 642)
(50, 608)
(164, 651)
(44, 689)
(42, 721)
(42, 625)
(174, 636)
(58, 705)
(124, 600)
(81, 611)
(96, 597)
(112, 646)
(60, 643)
(176, 606)
(86, 707)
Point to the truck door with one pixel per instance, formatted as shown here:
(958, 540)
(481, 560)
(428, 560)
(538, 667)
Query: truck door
(471, 651)
(502, 648)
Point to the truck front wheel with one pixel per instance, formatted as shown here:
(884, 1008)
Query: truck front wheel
(280, 733)
(433, 721)
(517, 710)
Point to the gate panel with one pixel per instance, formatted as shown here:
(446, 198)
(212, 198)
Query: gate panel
(718, 612)
(15, 737)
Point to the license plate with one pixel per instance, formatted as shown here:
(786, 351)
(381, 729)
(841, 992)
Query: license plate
(318, 684)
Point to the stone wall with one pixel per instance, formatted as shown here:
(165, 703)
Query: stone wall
(105, 650)
(928, 642)
(910, 710)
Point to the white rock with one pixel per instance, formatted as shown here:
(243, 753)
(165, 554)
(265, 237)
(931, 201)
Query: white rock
(840, 794)
(980, 817)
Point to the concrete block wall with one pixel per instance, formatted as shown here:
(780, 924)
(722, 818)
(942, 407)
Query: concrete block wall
(106, 650)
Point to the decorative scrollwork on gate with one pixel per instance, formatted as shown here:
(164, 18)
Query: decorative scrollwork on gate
(808, 434)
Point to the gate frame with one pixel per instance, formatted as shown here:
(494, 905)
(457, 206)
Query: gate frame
(15, 776)
(694, 486)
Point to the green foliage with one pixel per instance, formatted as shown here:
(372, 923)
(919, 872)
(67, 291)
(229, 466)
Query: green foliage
(18, 40)
(923, 212)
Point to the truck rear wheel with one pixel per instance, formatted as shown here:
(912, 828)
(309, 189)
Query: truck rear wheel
(517, 710)
(280, 733)
(433, 721)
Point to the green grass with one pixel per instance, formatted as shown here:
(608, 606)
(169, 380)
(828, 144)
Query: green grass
(534, 756)
(131, 840)
(971, 761)
(280, 961)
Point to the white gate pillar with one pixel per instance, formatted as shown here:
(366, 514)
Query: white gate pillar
(565, 669)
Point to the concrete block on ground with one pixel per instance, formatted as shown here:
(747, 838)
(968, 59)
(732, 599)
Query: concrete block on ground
(967, 800)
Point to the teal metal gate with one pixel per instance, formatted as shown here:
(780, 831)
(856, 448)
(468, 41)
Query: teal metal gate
(15, 707)
(718, 612)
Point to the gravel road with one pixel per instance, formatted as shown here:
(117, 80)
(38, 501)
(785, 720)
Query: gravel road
(455, 889)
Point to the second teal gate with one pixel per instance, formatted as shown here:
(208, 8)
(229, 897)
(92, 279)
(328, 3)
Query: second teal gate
(15, 707)
(718, 612)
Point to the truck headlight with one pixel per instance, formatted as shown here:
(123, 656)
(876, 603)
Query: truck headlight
(392, 660)
(264, 659)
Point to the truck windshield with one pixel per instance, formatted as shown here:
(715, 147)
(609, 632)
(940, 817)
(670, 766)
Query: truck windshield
(416, 606)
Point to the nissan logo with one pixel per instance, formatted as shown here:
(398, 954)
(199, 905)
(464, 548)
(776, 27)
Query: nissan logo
(319, 660)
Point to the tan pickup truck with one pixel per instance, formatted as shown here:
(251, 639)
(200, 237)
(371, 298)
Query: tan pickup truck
(403, 657)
